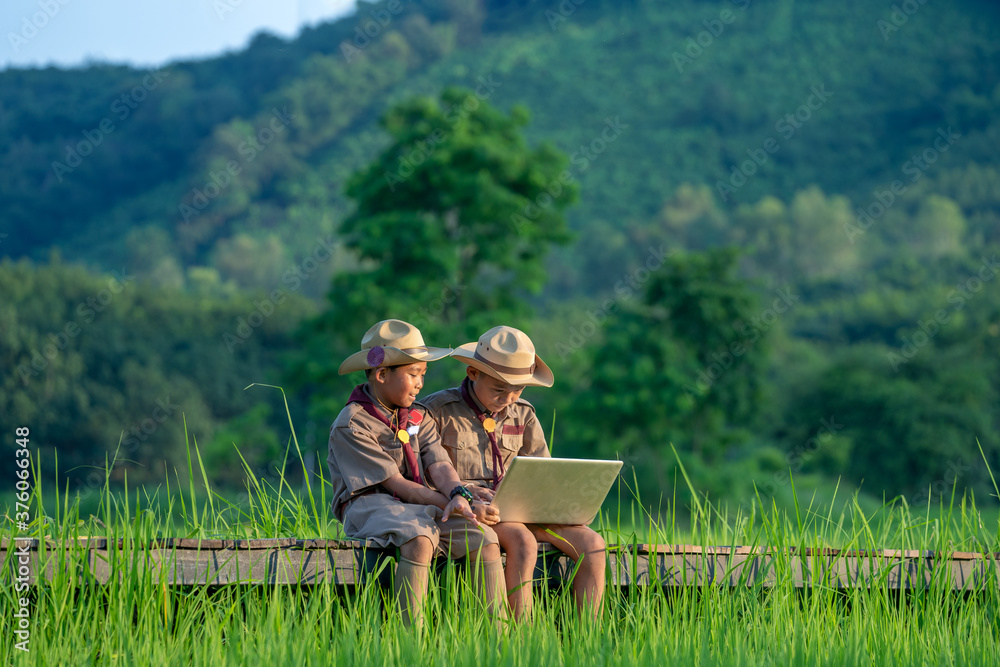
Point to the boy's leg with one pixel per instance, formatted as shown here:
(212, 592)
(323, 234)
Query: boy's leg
(488, 569)
(412, 576)
(522, 552)
(480, 545)
(384, 521)
(588, 548)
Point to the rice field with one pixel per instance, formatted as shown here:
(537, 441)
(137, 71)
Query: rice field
(139, 620)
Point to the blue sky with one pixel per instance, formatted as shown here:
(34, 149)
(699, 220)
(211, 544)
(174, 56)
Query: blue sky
(145, 32)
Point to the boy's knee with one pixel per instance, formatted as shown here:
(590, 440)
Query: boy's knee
(419, 550)
(490, 552)
(593, 547)
(594, 542)
(522, 546)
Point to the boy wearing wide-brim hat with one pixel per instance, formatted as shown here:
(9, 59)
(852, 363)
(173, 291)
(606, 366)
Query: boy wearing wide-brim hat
(484, 423)
(382, 458)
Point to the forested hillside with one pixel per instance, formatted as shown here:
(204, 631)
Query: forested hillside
(689, 114)
(848, 150)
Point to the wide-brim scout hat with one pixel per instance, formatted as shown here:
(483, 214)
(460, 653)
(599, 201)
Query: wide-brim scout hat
(507, 354)
(391, 343)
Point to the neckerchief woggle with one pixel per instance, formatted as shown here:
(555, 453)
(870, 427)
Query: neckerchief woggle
(498, 469)
(403, 420)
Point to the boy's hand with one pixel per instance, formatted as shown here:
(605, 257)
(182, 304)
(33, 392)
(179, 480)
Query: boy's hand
(486, 513)
(459, 506)
(482, 493)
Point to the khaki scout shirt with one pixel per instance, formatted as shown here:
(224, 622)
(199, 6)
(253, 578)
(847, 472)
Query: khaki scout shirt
(518, 433)
(364, 452)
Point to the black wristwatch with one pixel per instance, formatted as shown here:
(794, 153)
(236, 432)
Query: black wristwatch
(461, 491)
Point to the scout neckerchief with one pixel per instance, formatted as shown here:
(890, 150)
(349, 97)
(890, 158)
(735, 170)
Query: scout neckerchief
(402, 419)
(489, 425)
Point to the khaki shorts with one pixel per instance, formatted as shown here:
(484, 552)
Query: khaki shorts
(387, 522)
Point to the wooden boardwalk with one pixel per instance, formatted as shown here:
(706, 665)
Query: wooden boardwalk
(290, 561)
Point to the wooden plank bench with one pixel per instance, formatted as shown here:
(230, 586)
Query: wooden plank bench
(291, 561)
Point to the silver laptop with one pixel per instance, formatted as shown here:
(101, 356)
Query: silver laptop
(547, 490)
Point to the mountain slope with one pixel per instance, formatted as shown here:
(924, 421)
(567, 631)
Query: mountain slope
(696, 88)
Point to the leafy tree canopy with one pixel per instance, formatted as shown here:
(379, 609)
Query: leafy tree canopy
(452, 225)
(684, 365)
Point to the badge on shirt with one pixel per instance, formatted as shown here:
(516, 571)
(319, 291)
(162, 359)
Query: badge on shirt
(413, 429)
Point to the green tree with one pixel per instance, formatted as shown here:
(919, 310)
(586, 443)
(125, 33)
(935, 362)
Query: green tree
(99, 364)
(452, 226)
(802, 241)
(683, 366)
(909, 429)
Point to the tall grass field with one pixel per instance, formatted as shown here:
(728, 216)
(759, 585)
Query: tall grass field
(139, 620)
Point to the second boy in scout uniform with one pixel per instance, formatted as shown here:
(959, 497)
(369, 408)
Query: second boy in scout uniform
(382, 457)
(484, 423)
